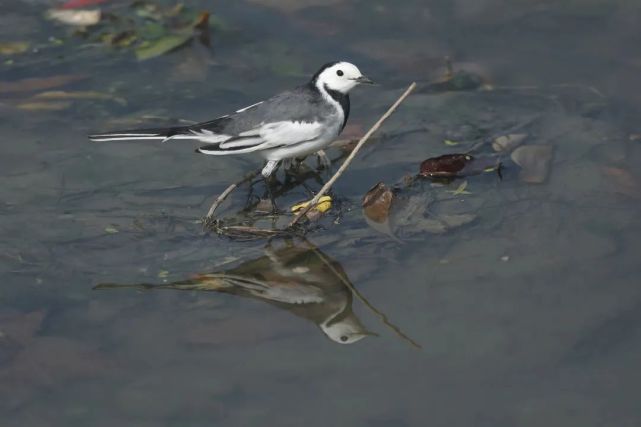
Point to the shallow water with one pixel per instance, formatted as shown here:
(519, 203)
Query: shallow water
(528, 315)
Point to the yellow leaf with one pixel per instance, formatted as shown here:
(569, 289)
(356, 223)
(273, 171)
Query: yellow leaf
(450, 142)
(324, 204)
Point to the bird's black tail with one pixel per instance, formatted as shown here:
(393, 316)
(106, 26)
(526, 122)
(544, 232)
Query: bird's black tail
(158, 134)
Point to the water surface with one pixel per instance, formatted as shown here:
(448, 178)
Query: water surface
(528, 315)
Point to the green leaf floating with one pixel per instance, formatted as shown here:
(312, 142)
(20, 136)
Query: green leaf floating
(162, 45)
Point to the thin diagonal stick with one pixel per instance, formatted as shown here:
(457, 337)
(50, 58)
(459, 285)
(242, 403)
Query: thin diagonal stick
(351, 156)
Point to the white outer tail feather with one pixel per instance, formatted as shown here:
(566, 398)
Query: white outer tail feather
(212, 139)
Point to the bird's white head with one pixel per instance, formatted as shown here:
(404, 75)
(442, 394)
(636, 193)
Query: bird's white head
(346, 331)
(339, 76)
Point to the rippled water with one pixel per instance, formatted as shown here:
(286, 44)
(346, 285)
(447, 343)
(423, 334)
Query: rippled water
(528, 314)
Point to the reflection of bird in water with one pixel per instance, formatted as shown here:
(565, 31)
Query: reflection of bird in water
(301, 280)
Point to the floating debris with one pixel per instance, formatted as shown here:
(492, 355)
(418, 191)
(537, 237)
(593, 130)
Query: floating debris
(446, 166)
(75, 17)
(457, 165)
(377, 202)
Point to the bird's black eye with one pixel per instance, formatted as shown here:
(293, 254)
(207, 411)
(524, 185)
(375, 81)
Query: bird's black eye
(340, 73)
(343, 338)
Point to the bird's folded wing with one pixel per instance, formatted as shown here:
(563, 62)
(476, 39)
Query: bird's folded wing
(267, 135)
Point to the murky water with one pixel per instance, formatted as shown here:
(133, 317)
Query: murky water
(523, 309)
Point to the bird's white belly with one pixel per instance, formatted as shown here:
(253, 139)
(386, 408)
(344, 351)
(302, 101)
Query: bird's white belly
(302, 149)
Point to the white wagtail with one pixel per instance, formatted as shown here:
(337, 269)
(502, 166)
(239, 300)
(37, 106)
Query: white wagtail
(292, 124)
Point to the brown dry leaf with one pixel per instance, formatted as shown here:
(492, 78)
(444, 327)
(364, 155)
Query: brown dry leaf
(457, 165)
(377, 202)
(448, 165)
(534, 161)
(377, 207)
(38, 83)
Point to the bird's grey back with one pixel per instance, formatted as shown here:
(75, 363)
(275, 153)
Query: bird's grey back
(303, 104)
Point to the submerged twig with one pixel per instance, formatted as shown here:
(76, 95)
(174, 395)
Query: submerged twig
(243, 232)
(351, 156)
(210, 214)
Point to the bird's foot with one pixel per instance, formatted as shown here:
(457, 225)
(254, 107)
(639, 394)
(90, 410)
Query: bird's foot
(269, 182)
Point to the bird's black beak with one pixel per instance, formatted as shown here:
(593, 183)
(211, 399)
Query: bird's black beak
(364, 80)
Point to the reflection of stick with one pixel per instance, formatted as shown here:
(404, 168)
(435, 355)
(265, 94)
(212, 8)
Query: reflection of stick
(227, 192)
(351, 156)
(361, 297)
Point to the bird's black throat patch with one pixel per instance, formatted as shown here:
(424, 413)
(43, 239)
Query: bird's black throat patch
(343, 100)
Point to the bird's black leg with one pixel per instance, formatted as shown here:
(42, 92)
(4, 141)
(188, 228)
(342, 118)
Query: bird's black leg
(268, 184)
(267, 171)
